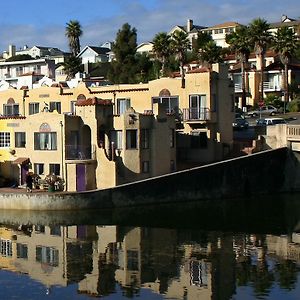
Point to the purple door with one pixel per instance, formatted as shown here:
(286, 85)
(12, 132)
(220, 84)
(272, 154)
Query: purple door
(80, 178)
(24, 170)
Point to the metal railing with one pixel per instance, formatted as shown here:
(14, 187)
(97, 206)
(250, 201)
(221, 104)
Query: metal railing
(80, 152)
(271, 86)
(196, 114)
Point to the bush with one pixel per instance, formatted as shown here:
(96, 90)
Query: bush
(294, 106)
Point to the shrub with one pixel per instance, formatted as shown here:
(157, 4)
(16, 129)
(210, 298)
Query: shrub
(294, 106)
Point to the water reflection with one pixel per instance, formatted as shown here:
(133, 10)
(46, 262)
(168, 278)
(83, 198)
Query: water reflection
(188, 254)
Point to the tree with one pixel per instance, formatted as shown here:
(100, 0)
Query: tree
(20, 57)
(72, 65)
(161, 48)
(202, 40)
(73, 33)
(261, 38)
(239, 42)
(211, 53)
(285, 43)
(123, 68)
(179, 45)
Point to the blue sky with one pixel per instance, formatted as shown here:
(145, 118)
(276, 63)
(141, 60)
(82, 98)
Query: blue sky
(36, 22)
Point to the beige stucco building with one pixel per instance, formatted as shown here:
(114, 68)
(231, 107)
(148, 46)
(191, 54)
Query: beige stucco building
(101, 136)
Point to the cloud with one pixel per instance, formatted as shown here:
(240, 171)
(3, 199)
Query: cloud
(101, 21)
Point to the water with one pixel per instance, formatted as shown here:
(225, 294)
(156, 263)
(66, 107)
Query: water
(230, 249)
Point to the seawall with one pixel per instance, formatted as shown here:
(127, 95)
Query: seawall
(264, 173)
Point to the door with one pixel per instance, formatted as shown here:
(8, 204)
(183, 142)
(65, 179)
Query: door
(80, 178)
(24, 170)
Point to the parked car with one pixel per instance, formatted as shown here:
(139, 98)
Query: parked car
(270, 121)
(240, 123)
(269, 110)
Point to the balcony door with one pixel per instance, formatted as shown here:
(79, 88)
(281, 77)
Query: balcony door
(197, 106)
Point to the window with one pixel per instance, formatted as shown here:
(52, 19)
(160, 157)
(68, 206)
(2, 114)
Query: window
(11, 109)
(198, 109)
(145, 166)
(19, 70)
(131, 139)
(37, 69)
(73, 107)
(132, 260)
(40, 228)
(45, 141)
(145, 138)
(122, 105)
(20, 139)
(55, 106)
(172, 166)
(6, 247)
(229, 30)
(4, 139)
(170, 103)
(116, 138)
(34, 108)
(55, 230)
(22, 251)
(47, 255)
(54, 169)
(172, 138)
(217, 31)
(38, 169)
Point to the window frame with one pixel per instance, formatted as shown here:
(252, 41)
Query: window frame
(20, 139)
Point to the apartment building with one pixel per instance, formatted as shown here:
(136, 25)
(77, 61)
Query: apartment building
(101, 136)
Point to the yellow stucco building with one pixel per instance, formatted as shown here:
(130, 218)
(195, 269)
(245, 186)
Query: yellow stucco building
(96, 137)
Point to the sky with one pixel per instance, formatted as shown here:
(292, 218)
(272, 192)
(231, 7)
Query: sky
(43, 23)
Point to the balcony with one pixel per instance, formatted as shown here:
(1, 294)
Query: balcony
(270, 86)
(80, 152)
(293, 133)
(196, 114)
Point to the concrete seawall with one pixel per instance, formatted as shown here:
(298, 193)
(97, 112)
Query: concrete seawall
(268, 172)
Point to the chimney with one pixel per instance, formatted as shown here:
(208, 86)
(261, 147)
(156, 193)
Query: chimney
(189, 25)
(11, 50)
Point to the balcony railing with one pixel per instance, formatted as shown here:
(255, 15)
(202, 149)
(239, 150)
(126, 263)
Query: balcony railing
(271, 86)
(196, 114)
(80, 152)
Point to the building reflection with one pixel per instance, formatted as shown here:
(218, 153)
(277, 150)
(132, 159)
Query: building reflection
(179, 264)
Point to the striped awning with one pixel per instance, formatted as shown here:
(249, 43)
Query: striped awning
(21, 161)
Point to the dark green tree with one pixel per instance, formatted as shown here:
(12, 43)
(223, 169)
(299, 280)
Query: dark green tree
(179, 46)
(72, 65)
(211, 53)
(162, 49)
(239, 43)
(285, 43)
(123, 68)
(73, 33)
(261, 39)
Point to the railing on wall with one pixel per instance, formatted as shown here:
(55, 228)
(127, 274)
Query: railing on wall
(293, 132)
(196, 114)
(80, 152)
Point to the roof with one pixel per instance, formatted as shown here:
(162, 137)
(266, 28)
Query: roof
(97, 50)
(226, 24)
(21, 161)
(283, 24)
(93, 101)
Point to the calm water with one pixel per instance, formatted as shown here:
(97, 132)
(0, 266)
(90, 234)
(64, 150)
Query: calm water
(234, 249)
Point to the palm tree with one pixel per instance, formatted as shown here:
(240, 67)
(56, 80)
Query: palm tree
(161, 48)
(285, 43)
(261, 38)
(73, 33)
(211, 53)
(179, 45)
(72, 65)
(239, 42)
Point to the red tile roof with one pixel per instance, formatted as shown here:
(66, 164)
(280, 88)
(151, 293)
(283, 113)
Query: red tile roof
(93, 101)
